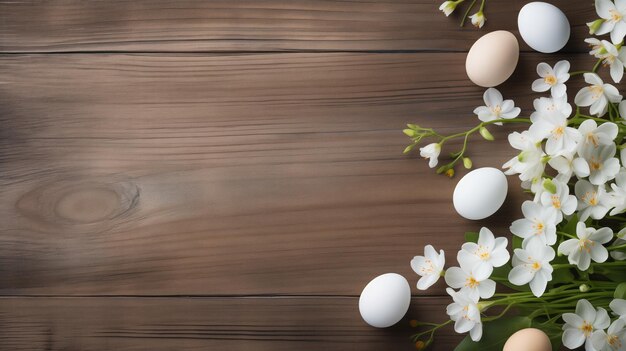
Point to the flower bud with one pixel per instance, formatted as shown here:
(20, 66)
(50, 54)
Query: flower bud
(409, 132)
(413, 323)
(485, 134)
(420, 345)
(595, 25)
(450, 173)
(408, 148)
(467, 162)
(549, 186)
(584, 288)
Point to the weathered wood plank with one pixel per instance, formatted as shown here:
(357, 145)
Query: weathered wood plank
(267, 25)
(205, 324)
(253, 174)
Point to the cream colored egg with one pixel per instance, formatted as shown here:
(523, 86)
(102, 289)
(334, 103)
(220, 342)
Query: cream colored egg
(492, 59)
(529, 339)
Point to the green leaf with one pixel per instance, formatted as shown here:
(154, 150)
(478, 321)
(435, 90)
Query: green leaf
(620, 291)
(516, 242)
(471, 237)
(495, 334)
(570, 227)
(562, 276)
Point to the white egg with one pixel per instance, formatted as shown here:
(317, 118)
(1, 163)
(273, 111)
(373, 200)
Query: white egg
(543, 27)
(385, 300)
(480, 193)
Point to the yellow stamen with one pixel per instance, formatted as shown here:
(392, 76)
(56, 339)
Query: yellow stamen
(550, 79)
(586, 328)
(556, 202)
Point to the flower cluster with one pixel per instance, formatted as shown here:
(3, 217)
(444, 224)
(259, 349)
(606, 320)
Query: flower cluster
(612, 22)
(471, 278)
(567, 263)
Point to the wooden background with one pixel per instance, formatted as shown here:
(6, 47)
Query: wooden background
(228, 175)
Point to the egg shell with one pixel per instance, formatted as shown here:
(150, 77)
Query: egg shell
(544, 27)
(385, 300)
(492, 59)
(480, 193)
(529, 339)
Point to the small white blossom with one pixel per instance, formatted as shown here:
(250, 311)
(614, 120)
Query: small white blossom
(529, 163)
(431, 152)
(622, 109)
(592, 200)
(532, 265)
(548, 105)
(428, 267)
(611, 340)
(567, 165)
(447, 7)
(552, 79)
(464, 311)
(579, 326)
(538, 224)
(487, 253)
(496, 108)
(597, 95)
(602, 165)
(618, 195)
(613, 14)
(478, 19)
(561, 200)
(561, 138)
(587, 247)
(594, 135)
(472, 281)
(610, 55)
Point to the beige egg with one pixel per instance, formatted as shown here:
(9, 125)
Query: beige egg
(529, 339)
(492, 59)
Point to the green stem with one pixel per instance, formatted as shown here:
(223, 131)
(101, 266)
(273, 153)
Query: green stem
(467, 12)
(616, 247)
(567, 235)
(596, 66)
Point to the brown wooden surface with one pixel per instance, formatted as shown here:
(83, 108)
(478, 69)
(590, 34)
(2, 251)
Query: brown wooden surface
(171, 179)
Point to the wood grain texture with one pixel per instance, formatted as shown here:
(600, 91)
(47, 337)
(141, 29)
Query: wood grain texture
(141, 174)
(227, 175)
(257, 25)
(205, 324)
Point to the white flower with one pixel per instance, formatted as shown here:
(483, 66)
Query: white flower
(610, 56)
(587, 247)
(592, 200)
(595, 136)
(597, 95)
(538, 224)
(487, 253)
(464, 311)
(621, 240)
(611, 340)
(545, 105)
(552, 79)
(472, 281)
(561, 138)
(529, 163)
(478, 19)
(431, 152)
(532, 265)
(613, 14)
(579, 326)
(561, 200)
(428, 267)
(618, 306)
(602, 165)
(496, 107)
(567, 165)
(449, 6)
